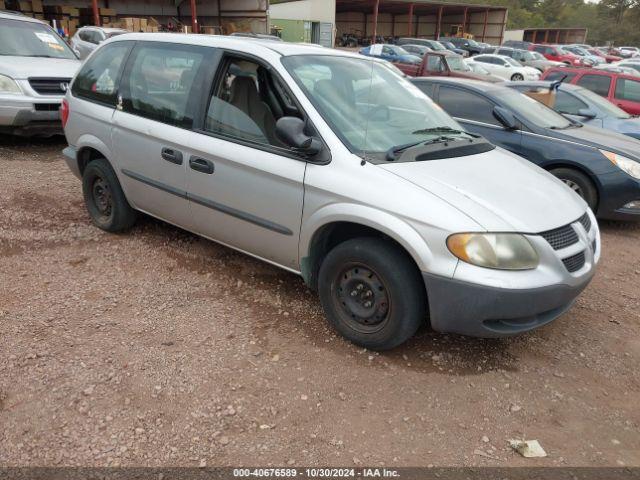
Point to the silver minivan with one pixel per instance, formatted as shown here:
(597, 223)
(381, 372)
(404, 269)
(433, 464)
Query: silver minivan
(330, 165)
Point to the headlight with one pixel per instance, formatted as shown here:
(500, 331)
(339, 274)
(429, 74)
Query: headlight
(502, 251)
(8, 85)
(623, 163)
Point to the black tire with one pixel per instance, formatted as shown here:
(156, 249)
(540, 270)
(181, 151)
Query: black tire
(579, 183)
(104, 198)
(381, 274)
(517, 77)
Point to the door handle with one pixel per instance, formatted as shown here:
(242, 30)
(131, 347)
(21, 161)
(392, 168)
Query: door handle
(201, 165)
(171, 155)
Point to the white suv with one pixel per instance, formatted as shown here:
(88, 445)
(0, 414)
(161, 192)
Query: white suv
(87, 39)
(36, 67)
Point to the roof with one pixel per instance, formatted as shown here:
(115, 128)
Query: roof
(253, 45)
(420, 7)
(18, 16)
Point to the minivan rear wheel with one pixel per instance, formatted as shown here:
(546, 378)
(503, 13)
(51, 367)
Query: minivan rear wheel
(372, 293)
(104, 198)
(579, 183)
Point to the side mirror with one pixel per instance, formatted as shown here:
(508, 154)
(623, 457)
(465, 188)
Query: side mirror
(290, 131)
(587, 113)
(505, 117)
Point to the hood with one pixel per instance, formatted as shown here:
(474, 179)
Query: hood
(605, 139)
(500, 191)
(21, 68)
(410, 58)
(531, 70)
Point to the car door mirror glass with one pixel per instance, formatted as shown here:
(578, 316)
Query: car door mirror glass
(505, 117)
(290, 131)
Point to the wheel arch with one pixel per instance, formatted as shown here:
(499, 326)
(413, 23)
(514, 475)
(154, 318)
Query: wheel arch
(90, 148)
(579, 168)
(333, 228)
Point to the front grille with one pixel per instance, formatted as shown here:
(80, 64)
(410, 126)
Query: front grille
(586, 222)
(47, 107)
(575, 262)
(560, 238)
(50, 86)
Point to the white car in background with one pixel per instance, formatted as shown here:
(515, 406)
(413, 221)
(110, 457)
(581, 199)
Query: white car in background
(634, 51)
(87, 39)
(505, 67)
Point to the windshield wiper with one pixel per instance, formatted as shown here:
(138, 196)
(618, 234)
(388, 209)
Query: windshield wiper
(392, 153)
(438, 130)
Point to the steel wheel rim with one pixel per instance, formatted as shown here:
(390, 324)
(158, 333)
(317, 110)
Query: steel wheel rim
(102, 198)
(573, 186)
(362, 298)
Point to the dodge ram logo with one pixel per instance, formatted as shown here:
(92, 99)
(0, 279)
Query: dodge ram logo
(64, 86)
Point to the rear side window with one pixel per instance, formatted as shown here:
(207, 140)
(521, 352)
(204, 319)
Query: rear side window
(628, 90)
(466, 105)
(159, 80)
(426, 87)
(558, 74)
(567, 103)
(98, 78)
(596, 83)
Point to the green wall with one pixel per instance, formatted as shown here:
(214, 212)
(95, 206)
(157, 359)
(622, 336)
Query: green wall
(293, 30)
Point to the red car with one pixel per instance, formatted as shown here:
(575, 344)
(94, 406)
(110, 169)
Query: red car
(557, 54)
(607, 56)
(620, 89)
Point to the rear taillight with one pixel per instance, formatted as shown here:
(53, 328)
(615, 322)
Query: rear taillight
(64, 113)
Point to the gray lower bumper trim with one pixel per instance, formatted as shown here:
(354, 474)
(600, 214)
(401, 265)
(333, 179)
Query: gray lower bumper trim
(482, 311)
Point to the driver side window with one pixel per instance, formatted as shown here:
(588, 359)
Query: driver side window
(248, 101)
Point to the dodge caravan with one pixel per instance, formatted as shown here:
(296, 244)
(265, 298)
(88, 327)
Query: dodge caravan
(332, 166)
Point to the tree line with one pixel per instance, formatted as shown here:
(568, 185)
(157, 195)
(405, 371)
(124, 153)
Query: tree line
(608, 21)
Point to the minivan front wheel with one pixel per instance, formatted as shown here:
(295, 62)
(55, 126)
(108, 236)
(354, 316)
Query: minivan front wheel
(579, 183)
(104, 198)
(372, 293)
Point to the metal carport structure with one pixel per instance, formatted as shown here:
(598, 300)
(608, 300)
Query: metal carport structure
(420, 18)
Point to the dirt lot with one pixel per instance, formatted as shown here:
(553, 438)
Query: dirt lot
(159, 348)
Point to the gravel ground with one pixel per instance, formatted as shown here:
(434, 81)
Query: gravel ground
(158, 348)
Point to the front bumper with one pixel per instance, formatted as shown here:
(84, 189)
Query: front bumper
(490, 312)
(25, 115)
(483, 302)
(617, 190)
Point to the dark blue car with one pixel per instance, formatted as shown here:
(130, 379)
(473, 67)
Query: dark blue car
(391, 53)
(601, 166)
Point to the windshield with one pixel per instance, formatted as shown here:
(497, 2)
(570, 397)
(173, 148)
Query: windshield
(448, 45)
(398, 50)
(537, 56)
(368, 106)
(457, 64)
(532, 111)
(29, 39)
(603, 104)
(512, 62)
(473, 43)
(527, 56)
(436, 46)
